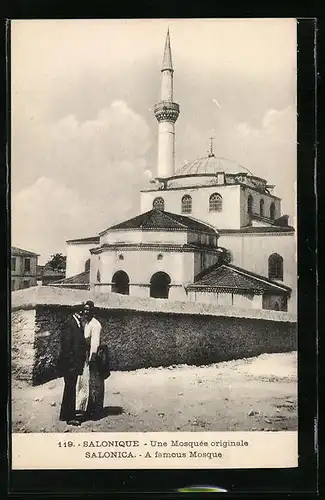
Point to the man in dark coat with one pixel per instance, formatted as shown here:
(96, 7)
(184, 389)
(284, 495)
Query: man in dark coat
(71, 364)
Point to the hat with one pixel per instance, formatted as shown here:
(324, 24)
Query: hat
(90, 303)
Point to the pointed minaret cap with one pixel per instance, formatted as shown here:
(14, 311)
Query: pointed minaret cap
(167, 61)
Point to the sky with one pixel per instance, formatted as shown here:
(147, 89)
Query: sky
(84, 137)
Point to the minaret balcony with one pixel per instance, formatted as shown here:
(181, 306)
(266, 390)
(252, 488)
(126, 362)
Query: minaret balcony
(166, 111)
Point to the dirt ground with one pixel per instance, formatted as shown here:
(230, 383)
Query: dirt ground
(243, 395)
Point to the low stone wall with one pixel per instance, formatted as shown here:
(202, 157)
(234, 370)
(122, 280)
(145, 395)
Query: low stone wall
(139, 339)
(23, 344)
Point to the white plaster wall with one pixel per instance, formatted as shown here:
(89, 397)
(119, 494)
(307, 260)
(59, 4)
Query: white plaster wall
(77, 254)
(140, 266)
(229, 217)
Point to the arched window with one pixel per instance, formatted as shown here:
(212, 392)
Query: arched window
(120, 283)
(160, 256)
(262, 207)
(215, 203)
(87, 265)
(250, 204)
(159, 285)
(186, 204)
(276, 267)
(272, 211)
(159, 203)
(98, 276)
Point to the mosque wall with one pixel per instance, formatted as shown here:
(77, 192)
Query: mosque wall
(257, 197)
(77, 254)
(227, 218)
(140, 266)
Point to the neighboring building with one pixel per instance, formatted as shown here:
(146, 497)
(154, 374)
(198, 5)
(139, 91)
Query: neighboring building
(47, 275)
(172, 248)
(23, 268)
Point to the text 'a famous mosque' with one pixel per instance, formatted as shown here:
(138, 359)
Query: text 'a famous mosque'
(208, 232)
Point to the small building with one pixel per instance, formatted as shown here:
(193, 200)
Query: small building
(23, 268)
(46, 275)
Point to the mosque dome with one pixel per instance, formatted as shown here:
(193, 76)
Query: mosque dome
(211, 165)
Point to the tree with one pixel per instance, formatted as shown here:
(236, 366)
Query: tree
(225, 256)
(57, 262)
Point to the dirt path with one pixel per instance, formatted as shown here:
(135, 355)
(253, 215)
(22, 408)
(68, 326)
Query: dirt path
(253, 394)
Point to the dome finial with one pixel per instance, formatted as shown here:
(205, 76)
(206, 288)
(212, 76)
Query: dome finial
(211, 153)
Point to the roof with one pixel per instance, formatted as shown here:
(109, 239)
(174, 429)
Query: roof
(167, 60)
(162, 220)
(77, 279)
(211, 165)
(164, 247)
(230, 278)
(90, 239)
(252, 229)
(23, 253)
(46, 271)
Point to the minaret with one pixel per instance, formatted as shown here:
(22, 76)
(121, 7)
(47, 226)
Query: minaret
(166, 111)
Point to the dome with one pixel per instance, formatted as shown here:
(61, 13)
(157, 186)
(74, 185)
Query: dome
(211, 165)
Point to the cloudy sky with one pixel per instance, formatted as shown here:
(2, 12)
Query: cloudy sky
(84, 138)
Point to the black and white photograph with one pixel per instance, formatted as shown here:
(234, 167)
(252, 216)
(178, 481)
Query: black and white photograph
(154, 228)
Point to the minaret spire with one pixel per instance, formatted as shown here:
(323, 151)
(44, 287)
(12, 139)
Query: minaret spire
(166, 111)
(167, 60)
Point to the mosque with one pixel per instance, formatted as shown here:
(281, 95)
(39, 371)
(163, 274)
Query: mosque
(210, 231)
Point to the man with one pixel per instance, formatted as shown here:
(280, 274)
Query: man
(71, 364)
(96, 379)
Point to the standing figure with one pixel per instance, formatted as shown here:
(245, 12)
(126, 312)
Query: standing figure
(92, 330)
(71, 364)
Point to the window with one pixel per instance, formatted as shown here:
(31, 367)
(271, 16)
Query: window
(250, 204)
(87, 265)
(98, 276)
(13, 263)
(160, 256)
(215, 203)
(272, 211)
(12, 284)
(26, 283)
(262, 207)
(158, 203)
(186, 204)
(276, 267)
(27, 265)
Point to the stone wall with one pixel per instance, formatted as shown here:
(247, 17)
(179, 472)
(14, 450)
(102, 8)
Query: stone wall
(22, 344)
(138, 339)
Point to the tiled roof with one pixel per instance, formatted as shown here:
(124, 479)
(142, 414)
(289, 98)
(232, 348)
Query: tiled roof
(231, 278)
(162, 220)
(90, 239)
(251, 229)
(187, 247)
(23, 253)
(47, 272)
(77, 279)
